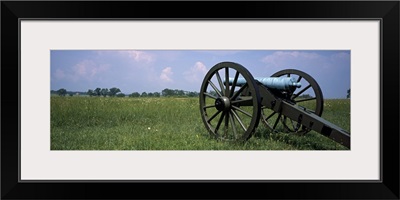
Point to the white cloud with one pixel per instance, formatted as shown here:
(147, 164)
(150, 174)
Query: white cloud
(59, 74)
(86, 69)
(166, 74)
(139, 56)
(82, 68)
(196, 73)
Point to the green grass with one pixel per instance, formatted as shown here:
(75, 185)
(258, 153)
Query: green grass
(98, 123)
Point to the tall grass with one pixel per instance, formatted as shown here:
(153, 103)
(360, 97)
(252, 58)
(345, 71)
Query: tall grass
(98, 123)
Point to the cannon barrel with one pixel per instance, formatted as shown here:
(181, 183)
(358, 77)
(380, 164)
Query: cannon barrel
(279, 83)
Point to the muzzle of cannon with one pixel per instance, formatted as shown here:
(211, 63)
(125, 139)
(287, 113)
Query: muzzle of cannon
(233, 102)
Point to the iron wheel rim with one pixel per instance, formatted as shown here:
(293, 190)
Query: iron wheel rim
(230, 121)
(289, 125)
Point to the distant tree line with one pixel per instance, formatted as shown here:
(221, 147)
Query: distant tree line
(112, 92)
(169, 92)
(145, 94)
(116, 92)
(166, 93)
(64, 92)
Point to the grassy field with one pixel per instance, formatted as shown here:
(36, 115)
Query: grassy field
(98, 123)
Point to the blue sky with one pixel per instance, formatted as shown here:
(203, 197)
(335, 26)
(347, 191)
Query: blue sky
(154, 70)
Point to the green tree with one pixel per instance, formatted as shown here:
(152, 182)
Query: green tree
(97, 92)
(144, 94)
(113, 91)
(167, 92)
(120, 95)
(134, 94)
(156, 94)
(179, 92)
(193, 94)
(62, 92)
(104, 92)
(90, 92)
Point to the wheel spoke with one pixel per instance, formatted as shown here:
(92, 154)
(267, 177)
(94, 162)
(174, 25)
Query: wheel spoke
(239, 120)
(214, 87)
(294, 127)
(212, 117)
(210, 95)
(219, 122)
(269, 116)
(291, 122)
(303, 90)
(233, 124)
(209, 106)
(226, 123)
(234, 84)
(227, 82)
(220, 82)
(242, 111)
(297, 126)
(276, 122)
(242, 100)
(299, 79)
(236, 94)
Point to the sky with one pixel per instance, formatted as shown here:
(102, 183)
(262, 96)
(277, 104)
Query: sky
(154, 70)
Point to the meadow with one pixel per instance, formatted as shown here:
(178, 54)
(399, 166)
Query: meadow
(111, 123)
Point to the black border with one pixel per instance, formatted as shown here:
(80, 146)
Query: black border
(386, 11)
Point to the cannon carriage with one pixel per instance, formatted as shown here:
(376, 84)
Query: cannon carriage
(288, 101)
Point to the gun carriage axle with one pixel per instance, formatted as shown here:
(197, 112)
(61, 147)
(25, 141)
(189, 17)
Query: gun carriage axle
(231, 107)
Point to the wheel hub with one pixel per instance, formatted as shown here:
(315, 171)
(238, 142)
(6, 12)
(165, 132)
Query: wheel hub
(223, 103)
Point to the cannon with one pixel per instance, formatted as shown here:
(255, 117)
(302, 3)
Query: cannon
(288, 101)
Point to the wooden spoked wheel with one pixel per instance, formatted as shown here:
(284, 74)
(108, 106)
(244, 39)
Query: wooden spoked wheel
(308, 97)
(226, 113)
